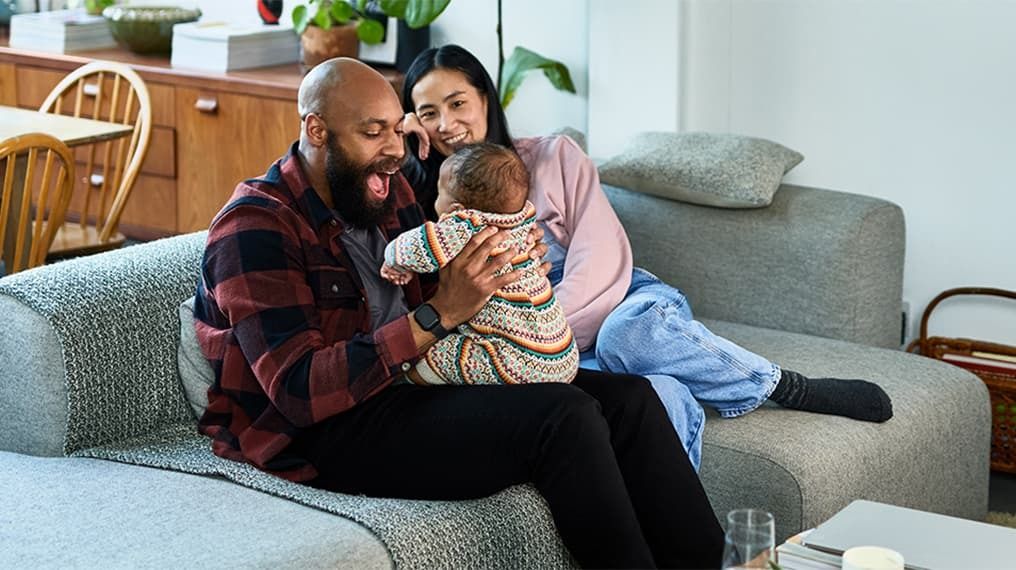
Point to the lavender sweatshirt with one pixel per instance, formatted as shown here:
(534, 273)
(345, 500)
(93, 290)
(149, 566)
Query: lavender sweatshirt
(565, 188)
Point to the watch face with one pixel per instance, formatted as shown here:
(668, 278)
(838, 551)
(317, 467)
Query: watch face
(427, 317)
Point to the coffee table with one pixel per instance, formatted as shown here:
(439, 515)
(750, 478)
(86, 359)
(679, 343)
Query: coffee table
(927, 541)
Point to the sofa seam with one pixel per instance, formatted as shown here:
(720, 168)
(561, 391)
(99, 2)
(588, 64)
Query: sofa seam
(793, 477)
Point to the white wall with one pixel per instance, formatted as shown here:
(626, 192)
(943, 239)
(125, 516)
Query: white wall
(555, 29)
(634, 59)
(910, 101)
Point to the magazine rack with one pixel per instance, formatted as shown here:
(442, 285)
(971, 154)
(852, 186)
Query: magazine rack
(994, 363)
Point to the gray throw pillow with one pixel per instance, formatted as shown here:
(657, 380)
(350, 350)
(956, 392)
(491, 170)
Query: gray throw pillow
(722, 170)
(196, 374)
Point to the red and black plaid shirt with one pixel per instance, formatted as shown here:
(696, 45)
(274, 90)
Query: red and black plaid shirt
(282, 315)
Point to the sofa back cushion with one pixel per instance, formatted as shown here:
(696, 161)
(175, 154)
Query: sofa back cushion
(815, 261)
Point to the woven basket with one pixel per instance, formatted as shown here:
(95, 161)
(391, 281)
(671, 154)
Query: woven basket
(994, 363)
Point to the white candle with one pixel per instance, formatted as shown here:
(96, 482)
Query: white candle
(872, 558)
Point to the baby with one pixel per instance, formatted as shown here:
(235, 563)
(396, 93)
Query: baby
(520, 335)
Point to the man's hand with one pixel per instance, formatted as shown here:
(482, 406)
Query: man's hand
(411, 125)
(538, 249)
(395, 275)
(468, 281)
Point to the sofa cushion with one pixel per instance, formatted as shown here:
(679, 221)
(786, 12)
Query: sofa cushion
(196, 374)
(33, 393)
(808, 466)
(106, 514)
(711, 169)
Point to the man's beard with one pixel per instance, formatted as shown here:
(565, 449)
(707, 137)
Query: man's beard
(347, 183)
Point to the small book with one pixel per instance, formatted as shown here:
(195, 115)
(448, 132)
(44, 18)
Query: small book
(983, 362)
(60, 31)
(218, 46)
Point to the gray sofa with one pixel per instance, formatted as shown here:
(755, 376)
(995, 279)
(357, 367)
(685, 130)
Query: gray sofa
(100, 462)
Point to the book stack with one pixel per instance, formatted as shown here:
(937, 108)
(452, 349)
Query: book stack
(217, 46)
(60, 31)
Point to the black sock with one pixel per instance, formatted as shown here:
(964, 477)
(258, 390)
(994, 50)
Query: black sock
(857, 399)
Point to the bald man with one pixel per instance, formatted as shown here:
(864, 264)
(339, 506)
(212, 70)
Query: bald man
(310, 346)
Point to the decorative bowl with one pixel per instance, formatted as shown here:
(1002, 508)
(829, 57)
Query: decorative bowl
(147, 29)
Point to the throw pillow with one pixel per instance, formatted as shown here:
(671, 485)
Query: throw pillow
(196, 374)
(722, 170)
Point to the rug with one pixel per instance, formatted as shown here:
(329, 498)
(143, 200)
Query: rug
(1001, 519)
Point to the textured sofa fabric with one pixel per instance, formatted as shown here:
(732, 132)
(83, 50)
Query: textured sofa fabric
(815, 261)
(92, 347)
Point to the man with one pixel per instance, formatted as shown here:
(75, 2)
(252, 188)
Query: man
(309, 344)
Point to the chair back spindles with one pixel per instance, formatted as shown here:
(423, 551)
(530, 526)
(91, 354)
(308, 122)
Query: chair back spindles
(32, 207)
(117, 95)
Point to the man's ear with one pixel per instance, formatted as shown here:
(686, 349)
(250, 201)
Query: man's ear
(455, 206)
(315, 130)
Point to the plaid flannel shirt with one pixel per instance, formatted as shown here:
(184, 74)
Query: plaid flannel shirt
(282, 315)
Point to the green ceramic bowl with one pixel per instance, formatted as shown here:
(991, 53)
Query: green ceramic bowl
(147, 29)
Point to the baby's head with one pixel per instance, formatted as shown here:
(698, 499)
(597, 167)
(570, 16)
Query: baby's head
(482, 176)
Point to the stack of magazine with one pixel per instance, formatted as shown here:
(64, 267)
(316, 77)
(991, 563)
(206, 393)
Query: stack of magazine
(60, 31)
(216, 46)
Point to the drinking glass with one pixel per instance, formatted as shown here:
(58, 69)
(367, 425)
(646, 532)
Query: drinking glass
(750, 539)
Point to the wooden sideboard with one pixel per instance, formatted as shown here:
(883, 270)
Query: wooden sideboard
(211, 130)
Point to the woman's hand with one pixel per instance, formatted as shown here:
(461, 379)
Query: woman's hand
(538, 249)
(411, 125)
(468, 281)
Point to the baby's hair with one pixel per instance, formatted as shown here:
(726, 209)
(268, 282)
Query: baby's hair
(488, 177)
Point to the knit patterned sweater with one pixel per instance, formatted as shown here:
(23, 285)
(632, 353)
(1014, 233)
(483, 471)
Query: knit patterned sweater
(520, 335)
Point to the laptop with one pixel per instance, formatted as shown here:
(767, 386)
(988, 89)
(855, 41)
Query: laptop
(927, 541)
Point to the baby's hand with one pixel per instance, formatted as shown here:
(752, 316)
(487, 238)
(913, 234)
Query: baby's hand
(395, 275)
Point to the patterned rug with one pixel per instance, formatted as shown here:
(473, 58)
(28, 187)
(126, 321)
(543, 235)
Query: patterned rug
(1002, 519)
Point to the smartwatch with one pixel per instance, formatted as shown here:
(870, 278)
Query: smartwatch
(430, 320)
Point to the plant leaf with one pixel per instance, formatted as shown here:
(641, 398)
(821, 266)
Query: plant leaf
(300, 18)
(370, 31)
(342, 12)
(394, 8)
(323, 19)
(420, 13)
(361, 6)
(521, 62)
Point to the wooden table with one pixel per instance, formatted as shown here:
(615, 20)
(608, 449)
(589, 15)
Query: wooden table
(72, 131)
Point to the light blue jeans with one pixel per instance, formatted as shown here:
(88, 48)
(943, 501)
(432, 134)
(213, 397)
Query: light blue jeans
(652, 333)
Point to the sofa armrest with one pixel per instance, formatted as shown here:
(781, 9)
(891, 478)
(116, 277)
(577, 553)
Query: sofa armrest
(815, 261)
(90, 347)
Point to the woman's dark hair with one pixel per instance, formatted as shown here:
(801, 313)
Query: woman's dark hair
(423, 175)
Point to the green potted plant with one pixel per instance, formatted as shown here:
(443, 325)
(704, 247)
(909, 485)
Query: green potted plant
(512, 72)
(334, 28)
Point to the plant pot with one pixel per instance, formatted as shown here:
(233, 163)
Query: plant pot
(317, 45)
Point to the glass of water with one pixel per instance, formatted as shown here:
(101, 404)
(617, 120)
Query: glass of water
(750, 539)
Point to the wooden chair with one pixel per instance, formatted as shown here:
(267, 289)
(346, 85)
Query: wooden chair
(26, 232)
(112, 92)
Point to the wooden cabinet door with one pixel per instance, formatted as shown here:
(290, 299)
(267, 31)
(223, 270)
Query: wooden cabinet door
(223, 139)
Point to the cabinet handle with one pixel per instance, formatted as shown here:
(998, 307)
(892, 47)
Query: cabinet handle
(207, 104)
(91, 89)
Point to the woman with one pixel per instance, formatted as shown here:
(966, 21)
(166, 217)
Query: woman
(624, 319)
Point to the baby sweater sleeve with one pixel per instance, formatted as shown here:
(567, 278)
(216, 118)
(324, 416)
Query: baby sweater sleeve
(431, 246)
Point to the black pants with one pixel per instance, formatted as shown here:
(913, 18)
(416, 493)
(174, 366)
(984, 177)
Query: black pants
(601, 451)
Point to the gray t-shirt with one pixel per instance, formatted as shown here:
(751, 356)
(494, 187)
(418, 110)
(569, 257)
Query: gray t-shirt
(366, 247)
